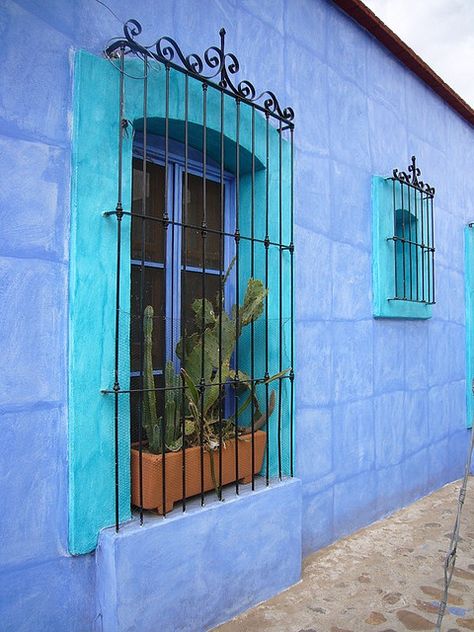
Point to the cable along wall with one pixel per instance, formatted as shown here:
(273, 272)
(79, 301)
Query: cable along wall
(204, 345)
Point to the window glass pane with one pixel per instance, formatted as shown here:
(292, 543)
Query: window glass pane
(192, 215)
(153, 293)
(155, 192)
(407, 257)
(192, 289)
(135, 399)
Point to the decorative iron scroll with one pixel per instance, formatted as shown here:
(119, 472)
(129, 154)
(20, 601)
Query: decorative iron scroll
(411, 178)
(215, 62)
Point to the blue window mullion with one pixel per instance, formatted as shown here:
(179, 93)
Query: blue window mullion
(172, 296)
(177, 260)
(229, 242)
(231, 283)
(169, 272)
(138, 374)
(147, 264)
(199, 269)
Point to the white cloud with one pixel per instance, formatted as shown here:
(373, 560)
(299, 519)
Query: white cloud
(441, 32)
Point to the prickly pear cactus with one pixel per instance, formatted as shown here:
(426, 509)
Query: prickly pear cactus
(209, 348)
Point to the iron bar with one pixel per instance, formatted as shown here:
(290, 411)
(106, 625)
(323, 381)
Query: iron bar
(256, 381)
(410, 242)
(165, 259)
(292, 340)
(221, 293)
(422, 250)
(428, 242)
(403, 245)
(203, 281)
(237, 283)
(184, 211)
(410, 235)
(119, 215)
(432, 250)
(416, 248)
(395, 228)
(173, 324)
(280, 292)
(266, 243)
(142, 287)
(252, 274)
(210, 231)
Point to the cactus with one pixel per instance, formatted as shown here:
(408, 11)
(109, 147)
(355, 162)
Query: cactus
(202, 415)
(168, 425)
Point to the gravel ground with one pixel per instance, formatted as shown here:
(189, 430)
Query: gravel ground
(387, 577)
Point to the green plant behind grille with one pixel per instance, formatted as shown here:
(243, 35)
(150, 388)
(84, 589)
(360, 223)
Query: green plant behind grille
(205, 367)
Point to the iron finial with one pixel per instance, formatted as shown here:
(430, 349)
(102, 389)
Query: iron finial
(410, 177)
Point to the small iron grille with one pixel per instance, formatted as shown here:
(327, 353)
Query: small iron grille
(413, 236)
(208, 331)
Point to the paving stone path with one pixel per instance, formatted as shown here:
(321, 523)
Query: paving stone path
(387, 577)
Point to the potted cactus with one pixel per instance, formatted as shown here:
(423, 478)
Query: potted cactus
(193, 409)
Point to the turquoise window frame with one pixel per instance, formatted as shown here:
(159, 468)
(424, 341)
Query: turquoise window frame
(383, 259)
(93, 261)
(469, 294)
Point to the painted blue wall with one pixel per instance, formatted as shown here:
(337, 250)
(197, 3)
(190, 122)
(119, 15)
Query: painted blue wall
(196, 570)
(380, 405)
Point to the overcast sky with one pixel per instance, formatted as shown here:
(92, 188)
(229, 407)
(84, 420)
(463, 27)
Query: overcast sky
(441, 32)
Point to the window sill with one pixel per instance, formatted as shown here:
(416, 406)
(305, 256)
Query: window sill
(403, 309)
(152, 520)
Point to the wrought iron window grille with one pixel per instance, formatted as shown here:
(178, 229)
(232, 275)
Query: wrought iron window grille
(214, 63)
(250, 381)
(413, 236)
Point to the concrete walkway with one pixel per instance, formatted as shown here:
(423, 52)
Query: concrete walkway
(385, 578)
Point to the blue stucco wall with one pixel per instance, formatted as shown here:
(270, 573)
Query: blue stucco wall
(207, 565)
(380, 410)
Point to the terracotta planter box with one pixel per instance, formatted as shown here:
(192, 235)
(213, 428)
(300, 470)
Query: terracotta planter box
(152, 467)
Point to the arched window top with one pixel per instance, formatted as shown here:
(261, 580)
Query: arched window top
(156, 134)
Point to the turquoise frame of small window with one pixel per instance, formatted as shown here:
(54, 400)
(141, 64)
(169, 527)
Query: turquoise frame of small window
(469, 295)
(383, 258)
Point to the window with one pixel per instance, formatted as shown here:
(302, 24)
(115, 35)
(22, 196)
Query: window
(184, 105)
(171, 276)
(403, 245)
(208, 363)
(405, 254)
(469, 295)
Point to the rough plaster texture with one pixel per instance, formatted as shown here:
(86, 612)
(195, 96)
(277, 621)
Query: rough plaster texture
(190, 571)
(380, 405)
(385, 578)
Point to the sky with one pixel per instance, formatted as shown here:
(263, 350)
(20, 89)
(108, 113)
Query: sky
(441, 32)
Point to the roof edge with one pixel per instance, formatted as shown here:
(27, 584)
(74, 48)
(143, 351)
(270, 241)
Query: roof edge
(359, 12)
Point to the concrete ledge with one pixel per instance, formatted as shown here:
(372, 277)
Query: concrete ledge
(194, 570)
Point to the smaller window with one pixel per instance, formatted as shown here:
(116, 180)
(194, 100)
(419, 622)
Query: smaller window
(403, 240)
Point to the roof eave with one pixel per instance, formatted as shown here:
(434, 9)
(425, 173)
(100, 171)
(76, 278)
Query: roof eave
(359, 12)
